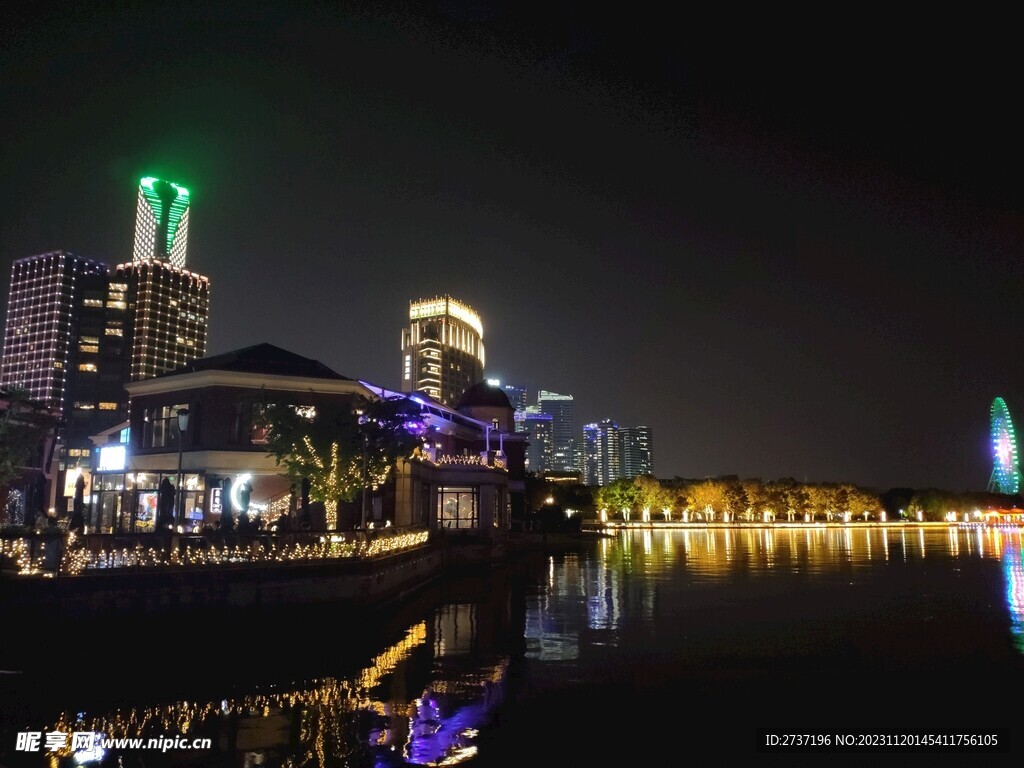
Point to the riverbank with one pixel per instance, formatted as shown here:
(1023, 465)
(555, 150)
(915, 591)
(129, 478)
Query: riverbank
(141, 589)
(619, 525)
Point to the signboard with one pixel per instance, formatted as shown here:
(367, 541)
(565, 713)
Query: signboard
(215, 505)
(71, 477)
(112, 458)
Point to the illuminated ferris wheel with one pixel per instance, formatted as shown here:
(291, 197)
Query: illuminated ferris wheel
(1005, 466)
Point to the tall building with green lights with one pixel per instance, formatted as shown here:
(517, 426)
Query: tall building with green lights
(161, 222)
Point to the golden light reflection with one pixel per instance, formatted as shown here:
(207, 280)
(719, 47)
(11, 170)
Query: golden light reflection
(321, 711)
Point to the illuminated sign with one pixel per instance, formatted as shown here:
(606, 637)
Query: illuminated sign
(72, 477)
(236, 488)
(113, 458)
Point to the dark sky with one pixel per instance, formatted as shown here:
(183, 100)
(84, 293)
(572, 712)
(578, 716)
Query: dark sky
(790, 245)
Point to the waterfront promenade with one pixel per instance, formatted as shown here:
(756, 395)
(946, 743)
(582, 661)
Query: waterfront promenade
(101, 575)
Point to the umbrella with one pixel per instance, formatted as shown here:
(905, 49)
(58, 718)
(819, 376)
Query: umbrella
(165, 506)
(78, 506)
(227, 519)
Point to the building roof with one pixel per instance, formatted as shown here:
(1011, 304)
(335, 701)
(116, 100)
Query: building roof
(484, 394)
(265, 359)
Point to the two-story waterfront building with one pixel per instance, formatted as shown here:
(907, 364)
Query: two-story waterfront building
(467, 476)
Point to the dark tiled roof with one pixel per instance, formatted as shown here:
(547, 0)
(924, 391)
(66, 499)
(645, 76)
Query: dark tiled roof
(264, 359)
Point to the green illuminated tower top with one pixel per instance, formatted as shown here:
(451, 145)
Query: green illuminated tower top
(161, 221)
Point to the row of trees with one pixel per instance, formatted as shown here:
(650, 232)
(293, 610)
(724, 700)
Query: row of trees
(734, 499)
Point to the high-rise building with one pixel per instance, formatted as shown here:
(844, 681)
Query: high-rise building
(603, 452)
(537, 427)
(161, 222)
(637, 451)
(168, 311)
(563, 428)
(64, 344)
(442, 349)
(48, 295)
(516, 396)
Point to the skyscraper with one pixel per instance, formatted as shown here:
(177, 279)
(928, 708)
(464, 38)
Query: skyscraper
(161, 222)
(537, 426)
(442, 349)
(563, 429)
(637, 451)
(64, 344)
(516, 396)
(602, 453)
(168, 310)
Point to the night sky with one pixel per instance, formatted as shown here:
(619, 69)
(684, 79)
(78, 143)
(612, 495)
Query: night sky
(791, 246)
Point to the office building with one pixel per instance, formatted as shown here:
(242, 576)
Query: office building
(168, 310)
(161, 222)
(60, 343)
(637, 451)
(563, 429)
(602, 449)
(442, 349)
(537, 427)
(516, 396)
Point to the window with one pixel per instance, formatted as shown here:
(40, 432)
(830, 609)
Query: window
(162, 426)
(108, 406)
(456, 507)
(114, 332)
(88, 348)
(93, 302)
(90, 367)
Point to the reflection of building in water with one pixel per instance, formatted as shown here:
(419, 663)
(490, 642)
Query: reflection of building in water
(399, 708)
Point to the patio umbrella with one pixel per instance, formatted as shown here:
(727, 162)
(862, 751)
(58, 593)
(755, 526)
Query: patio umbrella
(165, 506)
(78, 505)
(227, 518)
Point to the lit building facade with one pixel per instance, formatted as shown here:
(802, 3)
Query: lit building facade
(63, 343)
(637, 451)
(49, 294)
(563, 429)
(538, 428)
(602, 448)
(168, 310)
(161, 222)
(516, 396)
(442, 349)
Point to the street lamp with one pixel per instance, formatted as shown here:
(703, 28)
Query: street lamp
(362, 511)
(182, 430)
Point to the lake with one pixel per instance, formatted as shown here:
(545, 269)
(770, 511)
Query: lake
(653, 645)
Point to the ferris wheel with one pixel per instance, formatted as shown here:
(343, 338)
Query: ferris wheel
(1005, 464)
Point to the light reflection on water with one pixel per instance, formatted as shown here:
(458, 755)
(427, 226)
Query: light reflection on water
(712, 618)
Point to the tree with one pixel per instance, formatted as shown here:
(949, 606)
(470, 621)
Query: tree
(24, 427)
(650, 494)
(618, 496)
(340, 448)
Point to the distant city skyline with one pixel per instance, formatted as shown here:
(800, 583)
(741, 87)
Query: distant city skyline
(785, 270)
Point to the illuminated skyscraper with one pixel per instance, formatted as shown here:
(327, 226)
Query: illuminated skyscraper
(602, 446)
(563, 429)
(161, 222)
(537, 426)
(168, 309)
(516, 396)
(442, 349)
(637, 451)
(64, 344)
